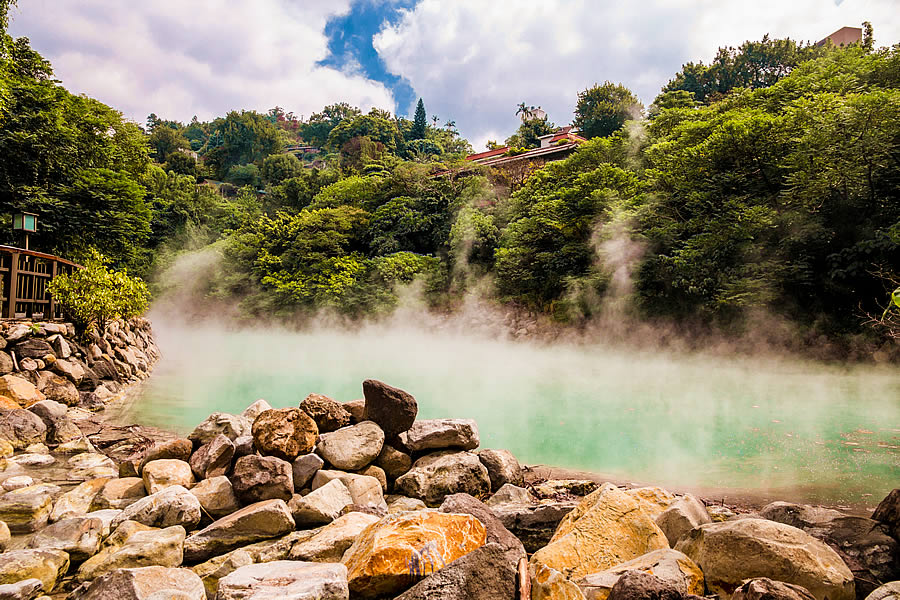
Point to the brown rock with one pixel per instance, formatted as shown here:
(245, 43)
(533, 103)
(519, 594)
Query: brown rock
(671, 566)
(357, 410)
(394, 462)
(393, 409)
(260, 521)
(178, 449)
(328, 414)
(286, 433)
(119, 493)
(766, 589)
(213, 459)
(464, 504)
(640, 585)
(164, 472)
(257, 478)
(888, 513)
(399, 550)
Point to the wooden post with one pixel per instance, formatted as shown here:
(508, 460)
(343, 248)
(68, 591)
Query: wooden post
(52, 306)
(9, 310)
(524, 580)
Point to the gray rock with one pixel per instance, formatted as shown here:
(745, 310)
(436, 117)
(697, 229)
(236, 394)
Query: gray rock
(213, 459)
(27, 589)
(141, 547)
(257, 478)
(328, 414)
(22, 428)
(304, 468)
(763, 588)
(322, 505)
(173, 505)
(144, 583)
(117, 493)
(49, 411)
(357, 410)
(889, 591)
(71, 369)
(329, 543)
(682, 515)
(496, 532)
(436, 476)
(288, 580)
(398, 504)
(510, 493)
(216, 496)
(483, 574)
(260, 521)
(33, 348)
(243, 446)
(394, 462)
(251, 412)
(351, 448)
(27, 509)
(888, 513)
(638, 585)
(6, 364)
(78, 536)
(366, 491)
(32, 460)
(393, 409)
(503, 468)
(440, 434)
(671, 566)
(90, 465)
(533, 523)
(231, 426)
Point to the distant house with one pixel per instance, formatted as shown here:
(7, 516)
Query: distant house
(301, 149)
(843, 37)
(555, 146)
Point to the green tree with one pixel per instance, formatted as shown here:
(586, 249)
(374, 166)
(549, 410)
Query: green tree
(317, 129)
(278, 167)
(603, 109)
(377, 129)
(526, 136)
(420, 123)
(182, 163)
(165, 140)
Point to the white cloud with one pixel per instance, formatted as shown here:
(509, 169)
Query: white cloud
(474, 61)
(202, 57)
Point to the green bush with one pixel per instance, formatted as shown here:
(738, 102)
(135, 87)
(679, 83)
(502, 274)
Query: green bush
(96, 294)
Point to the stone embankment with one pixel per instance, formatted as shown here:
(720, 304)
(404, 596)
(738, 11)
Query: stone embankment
(332, 501)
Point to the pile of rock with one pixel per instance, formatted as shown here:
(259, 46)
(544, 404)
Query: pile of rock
(333, 500)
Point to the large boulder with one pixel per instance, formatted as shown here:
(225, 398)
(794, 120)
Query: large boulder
(366, 491)
(889, 591)
(483, 574)
(26, 509)
(48, 566)
(321, 506)
(440, 434)
(216, 496)
(464, 504)
(533, 523)
(766, 589)
(435, 476)
(328, 414)
(351, 448)
(231, 426)
(58, 389)
(22, 391)
(166, 472)
(139, 546)
(640, 585)
(90, 465)
(177, 449)
(397, 551)
(260, 521)
(144, 583)
(304, 468)
(77, 536)
(77, 501)
(119, 493)
(288, 580)
(733, 551)
(671, 566)
(682, 516)
(33, 348)
(502, 468)
(71, 369)
(605, 529)
(391, 408)
(887, 512)
(285, 433)
(22, 428)
(213, 458)
(170, 506)
(329, 543)
(257, 478)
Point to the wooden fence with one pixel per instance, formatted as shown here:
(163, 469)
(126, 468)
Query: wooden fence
(24, 275)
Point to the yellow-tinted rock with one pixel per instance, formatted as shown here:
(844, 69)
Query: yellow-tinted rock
(608, 528)
(7, 403)
(394, 553)
(671, 566)
(6, 449)
(652, 500)
(20, 390)
(46, 565)
(550, 584)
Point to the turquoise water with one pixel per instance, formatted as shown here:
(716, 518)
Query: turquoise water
(797, 430)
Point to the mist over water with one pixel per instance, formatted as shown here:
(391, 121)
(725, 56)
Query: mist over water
(796, 430)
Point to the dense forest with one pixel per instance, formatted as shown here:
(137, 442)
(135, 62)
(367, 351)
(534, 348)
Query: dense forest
(764, 182)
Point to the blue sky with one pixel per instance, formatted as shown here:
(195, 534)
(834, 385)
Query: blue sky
(472, 61)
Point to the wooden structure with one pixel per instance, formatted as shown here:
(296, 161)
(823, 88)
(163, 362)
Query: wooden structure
(24, 275)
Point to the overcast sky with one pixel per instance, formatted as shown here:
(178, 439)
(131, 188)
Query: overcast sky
(471, 61)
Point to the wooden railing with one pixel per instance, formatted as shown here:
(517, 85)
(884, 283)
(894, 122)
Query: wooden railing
(24, 275)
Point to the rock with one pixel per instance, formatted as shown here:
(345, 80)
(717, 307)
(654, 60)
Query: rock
(257, 478)
(376, 472)
(322, 505)
(33, 348)
(26, 509)
(49, 411)
(503, 468)
(357, 410)
(640, 585)
(6, 363)
(260, 521)
(765, 589)
(139, 548)
(251, 412)
(889, 591)
(17, 482)
(730, 552)
(366, 491)
(106, 517)
(436, 476)
(483, 574)
(119, 493)
(605, 529)
(550, 584)
(164, 472)
(285, 433)
(77, 501)
(213, 459)
(533, 523)
(351, 448)
(32, 460)
(70, 369)
(61, 347)
(47, 566)
(330, 542)
(288, 580)
(27, 589)
(682, 516)
(177, 449)
(864, 544)
(5, 536)
(30, 364)
(510, 493)
(394, 462)
(887, 512)
(21, 427)
(652, 500)
(231, 426)
(496, 532)
(6, 448)
(90, 465)
(440, 434)
(328, 414)
(59, 389)
(304, 468)
(564, 489)
(170, 506)
(243, 446)
(718, 513)
(145, 583)
(78, 536)
(60, 429)
(398, 504)
(216, 496)
(672, 567)
(390, 408)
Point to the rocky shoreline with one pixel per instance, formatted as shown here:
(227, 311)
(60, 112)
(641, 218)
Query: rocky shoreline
(332, 501)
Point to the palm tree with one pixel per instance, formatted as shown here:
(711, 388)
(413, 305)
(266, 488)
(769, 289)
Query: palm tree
(434, 120)
(526, 111)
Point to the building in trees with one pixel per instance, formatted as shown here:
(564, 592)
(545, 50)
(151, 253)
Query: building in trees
(843, 37)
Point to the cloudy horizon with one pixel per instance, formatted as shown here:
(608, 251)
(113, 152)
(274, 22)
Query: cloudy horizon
(470, 61)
